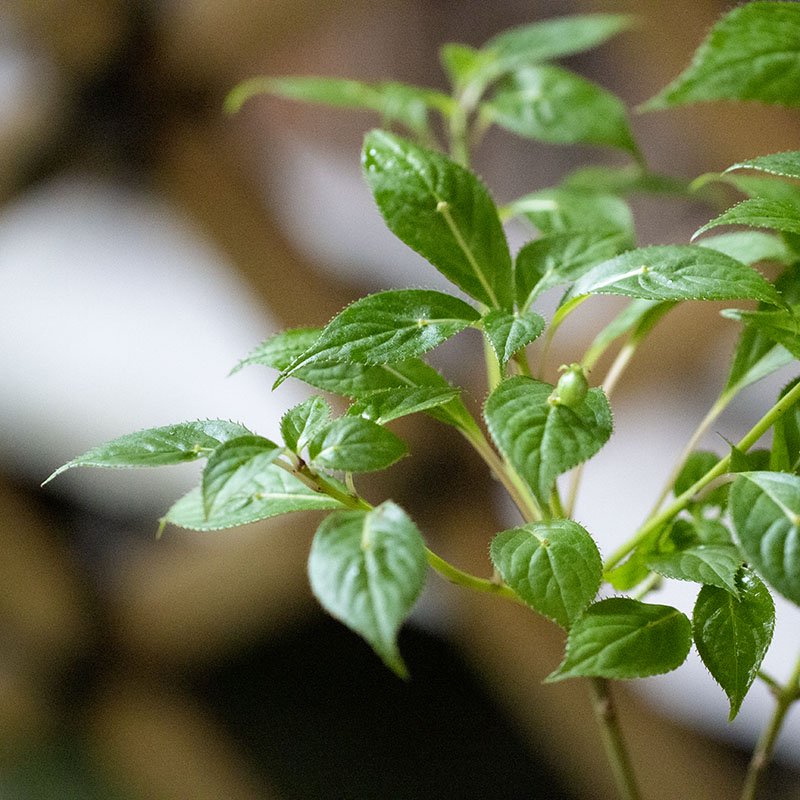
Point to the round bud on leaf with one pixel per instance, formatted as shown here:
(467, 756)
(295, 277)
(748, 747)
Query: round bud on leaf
(571, 388)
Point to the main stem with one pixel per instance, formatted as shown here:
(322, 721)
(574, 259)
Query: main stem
(610, 732)
(762, 755)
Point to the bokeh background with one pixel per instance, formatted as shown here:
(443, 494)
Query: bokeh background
(148, 242)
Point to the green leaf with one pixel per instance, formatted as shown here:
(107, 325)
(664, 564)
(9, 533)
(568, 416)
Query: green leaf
(302, 422)
(754, 186)
(233, 469)
(560, 258)
(785, 452)
(675, 272)
(750, 247)
(367, 569)
(554, 105)
(752, 53)
(157, 447)
(733, 634)
(560, 210)
(555, 567)
(711, 564)
(355, 444)
(281, 349)
(508, 333)
(442, 211)
(621, 638)
(463, 63)
(395, 102)
(765, 508)
(758, 212)
(388, 327)
(544, 440)
(273, 491)
(696, 465)
(388, 404)
(781, 326)
(787, 164)
(624, 180)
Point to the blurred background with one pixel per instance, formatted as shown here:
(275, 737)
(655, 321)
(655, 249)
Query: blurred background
(147, 243)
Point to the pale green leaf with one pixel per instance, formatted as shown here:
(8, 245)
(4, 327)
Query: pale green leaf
(732, 634)
(156, 447)
(711, 564)
(624, 180)
(355, 444)
(750, 247)
(367, 569)
(765, 508)
(508, 332)
(386, 405)
(302, 422)
(621, 638)
(543, 440)
(442, 211)
(554, 566)
(752, 53)
(758, 212)
(781, 326)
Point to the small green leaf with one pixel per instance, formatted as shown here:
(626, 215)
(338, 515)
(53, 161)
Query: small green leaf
(758, 212)
(560, 210)
(787, 164)
(624, 180)
(463, 63)
(441, 210)
(388, 404)
(752, 53)
(157, 447)
(508, 333)
(273, 491)
(675, 272)
(555, 567)
(234, 469)
(765, 508)
(733, 634)
(367, 569)
(621, 638)
(554, 105)
(715, 565)
(781, 326)
(355, 444)
(560, 258)
(387, 327)
(395, 102)
(750, 247)
(696, 465)
(543, 440)
(302, 422)
(785, 452)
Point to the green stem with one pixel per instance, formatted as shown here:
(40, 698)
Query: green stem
(616, 750)
(461, 578)
(745, 443)
(762, 755)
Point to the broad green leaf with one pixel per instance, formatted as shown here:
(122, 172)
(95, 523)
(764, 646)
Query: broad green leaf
(554, 105)
(509, 332)
(758, 212)
(560, 258)
(367, 569)
(765, 508)
(387, 404)
(395, 102)
(624, 180)
(732, 634)
(785, 452)
(302, 422)
(781, 326)
(621, 638)
(388, 327)
(787, 164)
(752, 53)
(555, 38)
(714, 565)
(560, 210)
(234, 468)
(157, 447)
(543, 440)
(355, 444)
(675, 272)
(555, 567)
(273, 491)
(442, 211)
(750, 247)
